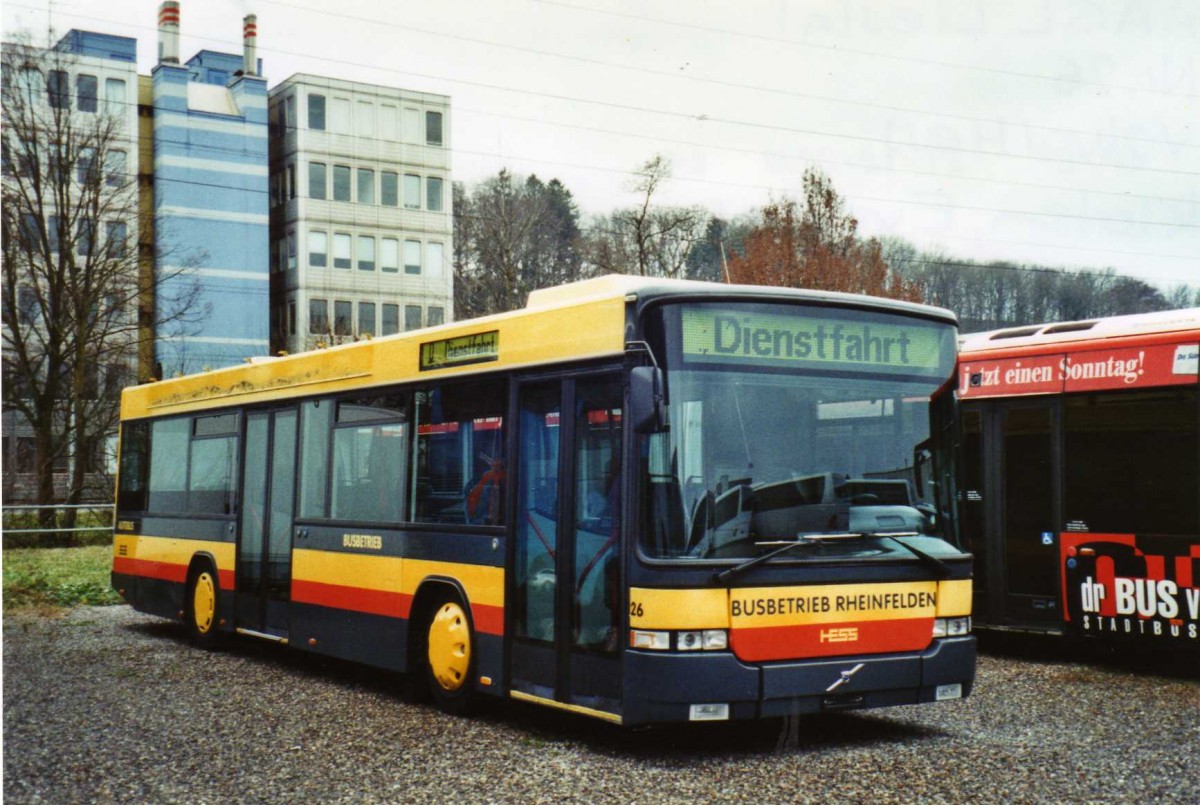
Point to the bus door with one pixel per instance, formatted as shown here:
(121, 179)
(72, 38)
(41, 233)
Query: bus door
(1018, 463)
(264, 554)
(565, 587)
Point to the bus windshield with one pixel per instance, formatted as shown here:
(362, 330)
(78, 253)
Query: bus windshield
(766, 445)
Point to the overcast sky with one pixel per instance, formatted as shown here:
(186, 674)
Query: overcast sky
(1064, 133)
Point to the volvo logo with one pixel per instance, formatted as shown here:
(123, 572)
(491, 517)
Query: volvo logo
(845, 678)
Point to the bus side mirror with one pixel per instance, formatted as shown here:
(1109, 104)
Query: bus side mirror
(646, 399)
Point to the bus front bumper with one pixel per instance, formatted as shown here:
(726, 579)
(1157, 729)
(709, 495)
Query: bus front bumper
(664, 687)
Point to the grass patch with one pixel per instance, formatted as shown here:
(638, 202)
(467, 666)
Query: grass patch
(51, 578)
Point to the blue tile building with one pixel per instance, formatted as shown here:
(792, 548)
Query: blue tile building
(210, 211)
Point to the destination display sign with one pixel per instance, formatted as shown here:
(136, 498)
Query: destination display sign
(460, 350)
(1095, 370)
(874, 344)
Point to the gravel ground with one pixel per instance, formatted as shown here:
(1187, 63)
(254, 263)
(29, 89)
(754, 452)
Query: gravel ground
(107, 705)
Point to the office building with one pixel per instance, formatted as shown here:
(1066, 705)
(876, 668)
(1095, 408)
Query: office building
(361, 221)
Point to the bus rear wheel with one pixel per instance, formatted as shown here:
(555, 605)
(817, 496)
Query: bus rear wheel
(449, 656)
(203, 607)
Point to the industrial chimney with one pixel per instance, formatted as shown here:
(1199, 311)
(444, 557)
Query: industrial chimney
(168, 32)
(250, 44)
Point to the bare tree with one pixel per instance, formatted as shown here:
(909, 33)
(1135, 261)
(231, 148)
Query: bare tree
(649, 240)
(71, 265)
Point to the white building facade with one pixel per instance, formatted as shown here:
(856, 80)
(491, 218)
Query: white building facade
(361, 219)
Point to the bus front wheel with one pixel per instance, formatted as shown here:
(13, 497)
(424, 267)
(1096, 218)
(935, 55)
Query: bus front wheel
(449, 655)
(203, 607)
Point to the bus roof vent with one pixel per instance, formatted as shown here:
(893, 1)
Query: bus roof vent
(1069, 327)
(1018, 333)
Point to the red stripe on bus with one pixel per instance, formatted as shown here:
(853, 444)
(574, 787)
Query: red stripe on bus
(488, 619)
(831, 639)
(359, 599)
(165, 571)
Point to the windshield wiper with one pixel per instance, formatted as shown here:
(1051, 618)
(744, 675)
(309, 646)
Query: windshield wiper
(943, 569)
(807, 540)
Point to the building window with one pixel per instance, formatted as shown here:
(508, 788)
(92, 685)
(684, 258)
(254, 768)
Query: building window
(115, 176)
(27, 304)
(318, 249)
(412, 257)
(389, 255)
(114, 96)
(291, 250)
(289, 112)
(85, 236)
(341, 250)
(339, 116)
(389, 189)
(435, 257)
(58, 89)
(342, 313)
(410, 125)
(341, 182)
(433, 128)
(318, 316)
(291, 317)
(433, 194)
(276, 196)
(85, 165)
(412, 317)
(316, 180)
(53, 230)
(30, 85)
(364, 118)
(435, 316)
(366, 186)
(391, 320)
(388, 122)
(366, 318)
(87, 88)
(316, 112)
(366, 253)
(412, 191)
(115, 234)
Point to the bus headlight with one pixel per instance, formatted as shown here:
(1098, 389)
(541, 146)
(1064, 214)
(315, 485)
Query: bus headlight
(951, 627)
(707, 640)
(692, 640)
(655, 641)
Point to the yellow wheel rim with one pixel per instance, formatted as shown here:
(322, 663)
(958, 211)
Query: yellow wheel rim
(204, 602)
(450, 647)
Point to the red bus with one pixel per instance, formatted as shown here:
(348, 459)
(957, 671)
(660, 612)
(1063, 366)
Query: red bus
(1080, 495)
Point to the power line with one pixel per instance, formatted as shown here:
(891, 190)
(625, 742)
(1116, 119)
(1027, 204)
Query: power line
(722, 83)
(696, 144)
(692, 116)
(857, 52)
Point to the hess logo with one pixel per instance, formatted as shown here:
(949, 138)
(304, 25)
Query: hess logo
(842, 635)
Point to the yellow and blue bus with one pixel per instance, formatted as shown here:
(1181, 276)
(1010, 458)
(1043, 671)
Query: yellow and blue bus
(640, 500)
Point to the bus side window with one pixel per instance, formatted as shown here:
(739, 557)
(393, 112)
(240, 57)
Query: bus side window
(369, 449)
(168, 465)
(316, 420)
(135, 467)
(212, 468)
(460, 473)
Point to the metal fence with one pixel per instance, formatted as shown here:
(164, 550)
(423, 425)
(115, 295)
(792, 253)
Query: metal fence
(22, 523)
